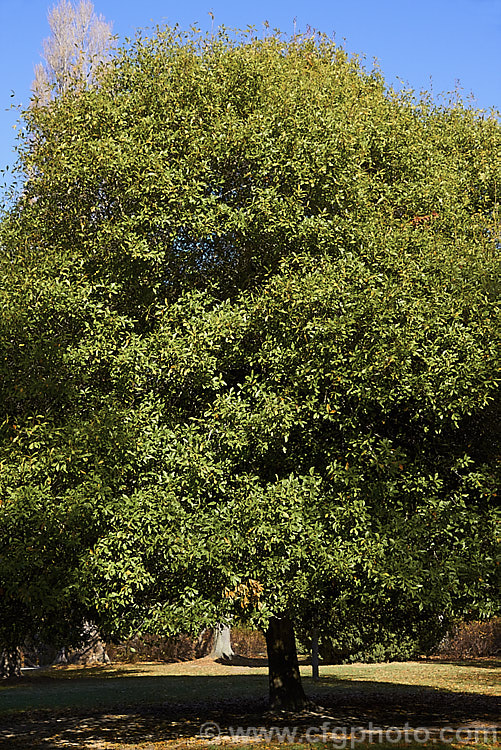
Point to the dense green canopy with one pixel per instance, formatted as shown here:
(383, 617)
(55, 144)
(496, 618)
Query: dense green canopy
(250, 333)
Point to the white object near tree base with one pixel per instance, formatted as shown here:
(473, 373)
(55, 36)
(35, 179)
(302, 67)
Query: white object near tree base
(221, 648)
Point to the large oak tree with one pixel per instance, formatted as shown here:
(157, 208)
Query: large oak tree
(250, 331)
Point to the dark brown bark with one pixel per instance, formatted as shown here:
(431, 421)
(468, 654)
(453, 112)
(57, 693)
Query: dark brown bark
(10, 663)
(286, 690)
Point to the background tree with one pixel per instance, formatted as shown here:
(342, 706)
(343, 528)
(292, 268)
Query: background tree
(79, 42)
(238, 378)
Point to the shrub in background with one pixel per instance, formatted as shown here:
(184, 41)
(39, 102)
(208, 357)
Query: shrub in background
(467, 640)
(248, 642)
(389, 632)
(149, 647)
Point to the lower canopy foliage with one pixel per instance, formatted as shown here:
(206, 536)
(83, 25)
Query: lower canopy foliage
(239, 377)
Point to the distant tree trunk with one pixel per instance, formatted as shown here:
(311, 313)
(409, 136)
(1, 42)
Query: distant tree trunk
(314, 655)
(10, 663)
(221, 648)
(61, 657)
(89, 650)
(286, 690)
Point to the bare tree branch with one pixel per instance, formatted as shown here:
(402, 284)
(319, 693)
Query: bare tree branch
(79, 42)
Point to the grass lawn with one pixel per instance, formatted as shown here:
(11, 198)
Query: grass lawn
(155, 706)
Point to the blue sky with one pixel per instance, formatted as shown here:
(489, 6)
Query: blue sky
(428, 44)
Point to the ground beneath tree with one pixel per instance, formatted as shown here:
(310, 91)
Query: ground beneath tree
(177, 721)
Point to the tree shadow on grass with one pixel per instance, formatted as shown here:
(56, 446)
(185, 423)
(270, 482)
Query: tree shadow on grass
(131, 709)
(244, 661)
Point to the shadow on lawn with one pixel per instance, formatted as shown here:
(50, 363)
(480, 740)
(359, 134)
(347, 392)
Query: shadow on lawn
(244, 661)
(148, 718)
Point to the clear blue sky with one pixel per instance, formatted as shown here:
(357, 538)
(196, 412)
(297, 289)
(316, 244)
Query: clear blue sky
(442, 41)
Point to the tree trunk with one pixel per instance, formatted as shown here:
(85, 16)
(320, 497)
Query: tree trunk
(221, 648)
(314, 655)
(10, 663)
(61, 657)
(286, 690)
(90, 649)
